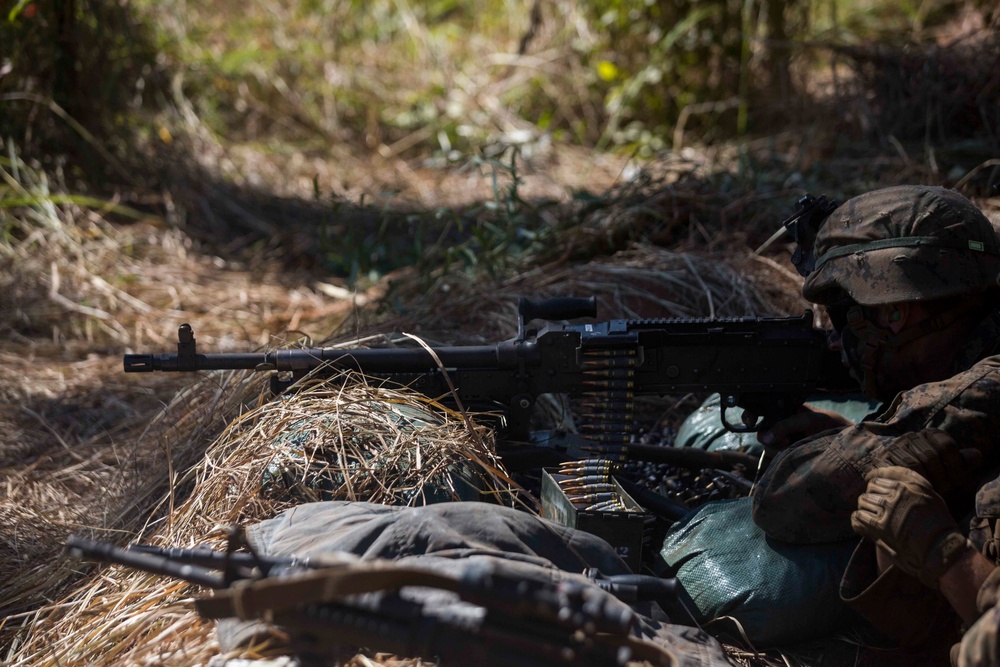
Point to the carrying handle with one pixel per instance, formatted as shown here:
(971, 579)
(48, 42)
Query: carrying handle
(559, 308)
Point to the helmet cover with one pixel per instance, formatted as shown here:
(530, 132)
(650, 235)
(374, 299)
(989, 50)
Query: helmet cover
(904, 243)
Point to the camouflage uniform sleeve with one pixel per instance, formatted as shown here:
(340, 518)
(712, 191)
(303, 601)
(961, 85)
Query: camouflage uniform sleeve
(808, 492)
(983, 529)
(894, 603)
(980, 646)
(801, 497)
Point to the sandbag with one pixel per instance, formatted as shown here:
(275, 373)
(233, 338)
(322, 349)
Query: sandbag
(779, 593)
(452, 539)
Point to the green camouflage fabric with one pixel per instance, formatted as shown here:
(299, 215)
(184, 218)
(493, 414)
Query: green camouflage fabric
(980, 647)
(984, 529)
(807, 494)
(981, 644)
(905, 243)
(906, 611)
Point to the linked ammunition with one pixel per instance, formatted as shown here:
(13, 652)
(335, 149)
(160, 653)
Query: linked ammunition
(586, 466)
(601, 487)
(583, 480)
(610, 373)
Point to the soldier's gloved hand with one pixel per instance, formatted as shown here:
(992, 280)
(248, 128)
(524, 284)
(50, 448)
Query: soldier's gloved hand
(903, 515)
(935, 456)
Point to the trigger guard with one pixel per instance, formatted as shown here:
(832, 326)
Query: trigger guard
(759, 422)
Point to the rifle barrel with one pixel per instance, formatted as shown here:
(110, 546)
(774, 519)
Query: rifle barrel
(83, 548)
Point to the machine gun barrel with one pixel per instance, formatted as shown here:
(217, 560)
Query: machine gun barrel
(408, 360)
(416, 360)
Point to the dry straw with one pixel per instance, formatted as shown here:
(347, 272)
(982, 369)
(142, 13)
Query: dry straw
(333, 440)
(643, 281)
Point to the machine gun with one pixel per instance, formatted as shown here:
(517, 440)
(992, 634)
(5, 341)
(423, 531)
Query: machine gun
(337, 601)
(766, 366)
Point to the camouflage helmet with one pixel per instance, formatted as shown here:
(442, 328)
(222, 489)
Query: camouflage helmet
(904, 243)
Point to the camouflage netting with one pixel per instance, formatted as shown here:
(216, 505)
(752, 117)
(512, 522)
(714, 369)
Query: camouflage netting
(368, 444)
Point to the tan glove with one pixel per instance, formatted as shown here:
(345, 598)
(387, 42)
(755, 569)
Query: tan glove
(935, 456)
(903, 515)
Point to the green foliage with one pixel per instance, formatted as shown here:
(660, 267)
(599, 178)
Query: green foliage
(507, 230)
(649, 90)
(15, 12)
(442, 76)
(855, 21)
(405, 78)
(490, 239)
(30, 207)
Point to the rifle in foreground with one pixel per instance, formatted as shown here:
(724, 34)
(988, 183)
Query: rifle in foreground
(765, 366)
(337, 601)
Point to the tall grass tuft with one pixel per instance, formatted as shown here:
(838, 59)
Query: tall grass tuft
(73, 74)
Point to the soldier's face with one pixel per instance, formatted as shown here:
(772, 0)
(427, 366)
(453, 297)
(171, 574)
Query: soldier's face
(835, 343)
(834, 339)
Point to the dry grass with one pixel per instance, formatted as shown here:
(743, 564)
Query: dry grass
(83, 445)
(138, 474)
(84, 283)
(644, 281)
(109, 484)
(362, 443)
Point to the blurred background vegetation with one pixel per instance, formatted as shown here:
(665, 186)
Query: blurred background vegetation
(447, 75)
(170, 107)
